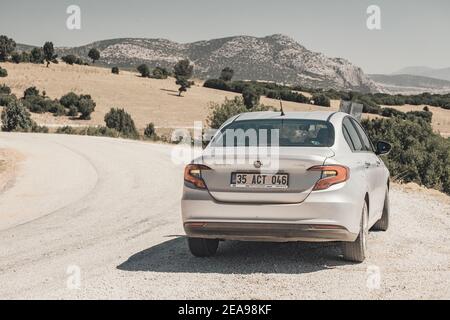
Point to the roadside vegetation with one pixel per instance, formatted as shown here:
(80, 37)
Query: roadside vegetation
(418, 154)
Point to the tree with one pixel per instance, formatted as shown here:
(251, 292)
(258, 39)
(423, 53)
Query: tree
(183, 69)
(144, 70)
(86, 106)
(251, 97)
(184, 85)
(227, 74)
(49, 53)
(16, 118)
(37, 56)
(94, 54)
(120, 120)
(7, 46)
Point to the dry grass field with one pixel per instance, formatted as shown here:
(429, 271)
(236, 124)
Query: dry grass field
(147, 100)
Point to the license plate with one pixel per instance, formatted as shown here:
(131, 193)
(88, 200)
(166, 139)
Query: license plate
(259, 180)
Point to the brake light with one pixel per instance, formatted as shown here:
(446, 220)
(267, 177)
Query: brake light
(193, 175)
(330, 175)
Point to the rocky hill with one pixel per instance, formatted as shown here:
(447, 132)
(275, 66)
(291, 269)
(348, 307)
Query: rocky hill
(277, 58)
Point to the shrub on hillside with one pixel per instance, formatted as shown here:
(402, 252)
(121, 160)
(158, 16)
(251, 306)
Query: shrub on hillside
(226, 74)
(222, 112)
(7, 99)
(85, 107)
(69, 59)
(35, 103)
(30, 92)
(115, 70)
(16, 57)
(3, 73)
(15, 117)
(4, 89)
(121, 121)
(321, 100)
(37, 55)
(418, 154)
(391, 112)
(83, 104)
(251, 97)
(144, 70)
(150, 131)
(160, 73)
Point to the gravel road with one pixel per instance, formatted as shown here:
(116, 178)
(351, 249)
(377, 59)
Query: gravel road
(100, 218)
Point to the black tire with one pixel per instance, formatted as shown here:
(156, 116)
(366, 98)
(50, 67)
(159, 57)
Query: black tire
(356, 251)
(383, 223)
(203, 247)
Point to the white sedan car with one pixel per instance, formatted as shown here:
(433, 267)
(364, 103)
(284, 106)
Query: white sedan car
(299, 176)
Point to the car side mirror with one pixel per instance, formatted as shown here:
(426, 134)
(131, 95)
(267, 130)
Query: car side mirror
(383, 148)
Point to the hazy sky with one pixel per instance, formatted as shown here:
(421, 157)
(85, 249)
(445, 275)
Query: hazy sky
(413, 32)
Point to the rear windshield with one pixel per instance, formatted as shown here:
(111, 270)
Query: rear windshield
(273, 132)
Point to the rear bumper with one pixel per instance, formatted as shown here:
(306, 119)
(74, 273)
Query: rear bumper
(329, 215)
(277, 232)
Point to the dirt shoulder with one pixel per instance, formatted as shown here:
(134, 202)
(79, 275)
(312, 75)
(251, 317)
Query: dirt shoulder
(9, 161)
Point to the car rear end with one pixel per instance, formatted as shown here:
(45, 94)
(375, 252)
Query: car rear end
(294, 192)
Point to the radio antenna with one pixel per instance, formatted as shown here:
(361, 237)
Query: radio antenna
(281, 106)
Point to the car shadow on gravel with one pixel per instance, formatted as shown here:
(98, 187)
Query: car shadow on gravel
(235, 257)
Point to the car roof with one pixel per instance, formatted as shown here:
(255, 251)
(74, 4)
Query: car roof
(311, 115)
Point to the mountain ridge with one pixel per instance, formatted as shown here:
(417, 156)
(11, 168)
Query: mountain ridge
(278, 58)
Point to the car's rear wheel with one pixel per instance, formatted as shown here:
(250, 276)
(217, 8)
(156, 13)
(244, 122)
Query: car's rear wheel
(203, 247)
(356, 251)
(383, 223)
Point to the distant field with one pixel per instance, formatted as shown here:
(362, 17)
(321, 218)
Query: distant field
(147, 100)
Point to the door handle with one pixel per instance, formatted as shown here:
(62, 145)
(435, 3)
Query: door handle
(378, 163)
(367, 164)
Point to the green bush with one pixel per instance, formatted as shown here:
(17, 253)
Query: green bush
(69, 99)
(3, 73)
(73, 111)
(222, 112)
(66, 130)
(391, 112)
(37, 55)
(160, 73)
(85, 107)
(321, 100)
(251, 97)
(38, 129)
(144, 70)
(150, 131)
(35, 103)
(83, 103)
(115, 70)
(227, 74)
(30, 92)
(4, 89)
(70, 59)
(56, 108)
(16, 57)
(7, 99)
(15, 117)
(418, 154)
(121, 121)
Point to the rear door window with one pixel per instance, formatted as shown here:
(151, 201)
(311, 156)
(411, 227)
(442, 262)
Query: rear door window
(355, 142)
(366, 142)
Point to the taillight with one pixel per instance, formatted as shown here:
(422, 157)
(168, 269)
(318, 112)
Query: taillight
(330, 175)
(193, 175)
